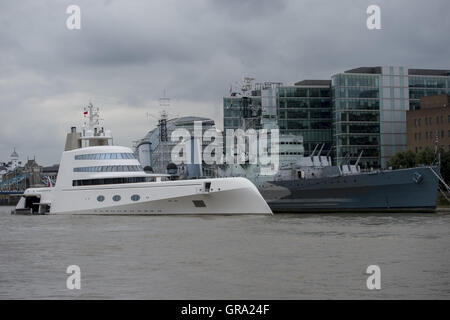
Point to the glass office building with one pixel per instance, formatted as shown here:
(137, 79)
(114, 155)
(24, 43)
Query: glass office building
(303, 109)
(360, 113)
(369, 110)
(425, 82)
(356, 118)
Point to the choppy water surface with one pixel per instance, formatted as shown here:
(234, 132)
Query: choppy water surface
(225, 257)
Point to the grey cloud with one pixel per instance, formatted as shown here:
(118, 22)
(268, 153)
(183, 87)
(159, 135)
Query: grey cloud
(128, 52)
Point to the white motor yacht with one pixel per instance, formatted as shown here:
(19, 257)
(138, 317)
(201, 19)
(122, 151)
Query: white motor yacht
(98, 178)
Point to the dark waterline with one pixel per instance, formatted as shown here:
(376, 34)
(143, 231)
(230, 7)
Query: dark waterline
(225, 257)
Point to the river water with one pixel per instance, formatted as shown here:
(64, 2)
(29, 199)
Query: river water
(320, 256)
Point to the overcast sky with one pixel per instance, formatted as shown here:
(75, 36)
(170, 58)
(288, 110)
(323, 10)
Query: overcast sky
(128, 52)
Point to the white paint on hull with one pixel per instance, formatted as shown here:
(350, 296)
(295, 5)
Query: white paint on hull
(201, 196)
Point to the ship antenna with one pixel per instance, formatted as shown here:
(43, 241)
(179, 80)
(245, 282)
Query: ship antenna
(329, 151)
(312, 154)
(360, 155)
(320, 151)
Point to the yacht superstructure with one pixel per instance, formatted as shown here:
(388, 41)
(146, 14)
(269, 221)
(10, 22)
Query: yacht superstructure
(96, 177)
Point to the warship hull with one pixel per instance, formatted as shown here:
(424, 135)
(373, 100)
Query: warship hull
(412, 189)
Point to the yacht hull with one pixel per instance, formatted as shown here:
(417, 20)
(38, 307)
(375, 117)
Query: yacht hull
(196, 197)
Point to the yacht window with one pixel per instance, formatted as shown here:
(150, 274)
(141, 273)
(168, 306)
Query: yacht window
(88, 182)
(100, 198)
(116, 198)
(135, 197)
(103, 156)
(109, 169)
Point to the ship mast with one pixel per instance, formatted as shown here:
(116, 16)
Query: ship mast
(93, 134)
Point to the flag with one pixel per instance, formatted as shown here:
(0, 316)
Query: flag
(436, 143)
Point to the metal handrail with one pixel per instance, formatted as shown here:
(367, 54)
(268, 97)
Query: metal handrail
(443, 182)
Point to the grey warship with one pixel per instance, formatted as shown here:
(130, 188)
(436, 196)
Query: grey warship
(317, 186)
(312, 184)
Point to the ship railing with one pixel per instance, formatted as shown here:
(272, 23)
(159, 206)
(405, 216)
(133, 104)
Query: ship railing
(443, 183)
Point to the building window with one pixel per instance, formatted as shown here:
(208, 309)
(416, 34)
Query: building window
(135, 197)
(100, 198)
(116, 198)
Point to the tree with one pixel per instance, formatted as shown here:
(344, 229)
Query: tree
(426, 157)
(445, 165)
(408, 159)
(402, 159)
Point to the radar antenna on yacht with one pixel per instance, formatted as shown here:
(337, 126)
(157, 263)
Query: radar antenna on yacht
(93, 133)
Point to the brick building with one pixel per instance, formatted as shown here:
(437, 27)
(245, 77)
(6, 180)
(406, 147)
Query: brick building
(430, 125)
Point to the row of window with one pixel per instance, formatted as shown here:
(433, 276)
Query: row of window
(303, 114)
(297, 124)
(429, 121)
(360, 128)
(304, 92)
(104, 156)
(358, 140)
(421, 82)
(430, 135)
(93, 182)
(419, 93)
(109, 169)
(370, 116)
(310, 135)
(134, 197)
(356, 92)
(304, 103)
(355, 80)
(357, 104)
